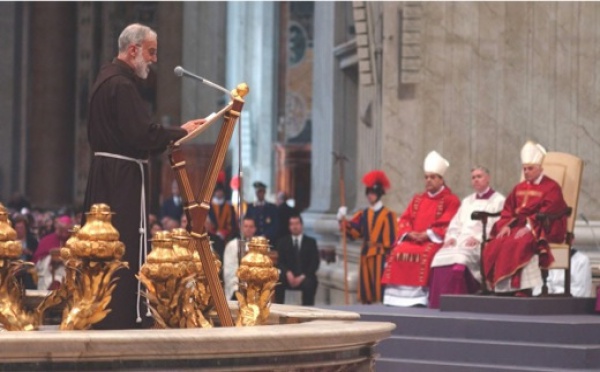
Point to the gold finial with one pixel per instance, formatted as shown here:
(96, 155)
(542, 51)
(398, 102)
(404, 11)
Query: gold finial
(98, 239)
(241, 90)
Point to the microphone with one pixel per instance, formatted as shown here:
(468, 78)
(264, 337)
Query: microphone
(180, 71)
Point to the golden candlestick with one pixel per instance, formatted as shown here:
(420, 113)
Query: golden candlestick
(175, 283)
(200, 292)
(13, 316)
(92, 256)
(257, 278)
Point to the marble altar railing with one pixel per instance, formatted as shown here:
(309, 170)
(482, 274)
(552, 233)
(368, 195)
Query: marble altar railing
(297, 338)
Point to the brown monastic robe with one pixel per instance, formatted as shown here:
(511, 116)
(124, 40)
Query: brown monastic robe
(120, 123)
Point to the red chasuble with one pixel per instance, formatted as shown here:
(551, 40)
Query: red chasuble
(504, 257)
(409, 262)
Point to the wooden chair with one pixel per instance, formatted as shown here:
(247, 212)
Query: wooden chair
(566, 170)
(483, 217)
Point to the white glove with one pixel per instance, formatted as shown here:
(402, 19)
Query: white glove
(341, 214)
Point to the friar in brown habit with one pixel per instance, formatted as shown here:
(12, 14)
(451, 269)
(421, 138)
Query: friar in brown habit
(122, 134)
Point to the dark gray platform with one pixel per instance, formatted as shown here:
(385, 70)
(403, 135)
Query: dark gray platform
(565, 337)
(518, 305)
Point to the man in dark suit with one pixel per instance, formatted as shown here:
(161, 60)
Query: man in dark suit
(298, 263)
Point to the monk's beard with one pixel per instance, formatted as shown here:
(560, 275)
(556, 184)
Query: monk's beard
(142, 68)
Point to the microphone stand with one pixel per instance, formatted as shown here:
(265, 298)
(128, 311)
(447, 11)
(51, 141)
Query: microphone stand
(197, 208)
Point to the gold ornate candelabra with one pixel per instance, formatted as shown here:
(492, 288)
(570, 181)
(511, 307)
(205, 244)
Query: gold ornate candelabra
(197, 290)
(175, 282)
(257, 278)
(13, 316)
(92, 256)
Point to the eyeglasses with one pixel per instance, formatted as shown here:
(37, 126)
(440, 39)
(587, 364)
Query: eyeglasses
(152, 51)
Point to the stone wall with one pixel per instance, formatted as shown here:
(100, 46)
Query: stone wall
(474, 81)
(491, 75)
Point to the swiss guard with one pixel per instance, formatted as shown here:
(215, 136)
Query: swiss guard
(376, 226)
(222, 213)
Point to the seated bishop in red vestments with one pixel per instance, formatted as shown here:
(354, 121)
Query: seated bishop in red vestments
(510, 259)
(421, 229)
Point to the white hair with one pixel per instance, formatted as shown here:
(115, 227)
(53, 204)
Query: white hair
(134, 34)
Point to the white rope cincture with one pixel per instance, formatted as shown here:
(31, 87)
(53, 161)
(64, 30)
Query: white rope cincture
(143, 247)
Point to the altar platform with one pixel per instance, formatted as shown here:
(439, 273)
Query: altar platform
(488, 334)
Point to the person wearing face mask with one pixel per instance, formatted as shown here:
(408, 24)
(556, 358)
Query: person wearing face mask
(375, 225)
(122, 135)
(421, 230)
(222, 213)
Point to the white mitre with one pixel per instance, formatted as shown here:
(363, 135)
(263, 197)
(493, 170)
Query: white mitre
(532, 153)
(435, 163)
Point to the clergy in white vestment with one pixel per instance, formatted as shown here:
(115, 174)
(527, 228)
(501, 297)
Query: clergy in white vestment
(581, 277)
(231, 258)
(455, 269)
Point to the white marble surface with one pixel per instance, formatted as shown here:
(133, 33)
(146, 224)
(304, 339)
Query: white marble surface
(319, 330)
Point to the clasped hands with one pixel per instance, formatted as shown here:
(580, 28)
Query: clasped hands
(418, 237)
(471, 242)
(294, 281)
(505, 231)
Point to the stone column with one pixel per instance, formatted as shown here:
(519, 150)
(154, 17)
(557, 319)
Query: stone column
(171, 46)
(203, 53)
(50, 122)
(251, 58)
(87, 61)
(10, 27)
(334, 120)
(333, 131)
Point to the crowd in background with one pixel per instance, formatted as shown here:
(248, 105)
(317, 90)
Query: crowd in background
(42, 232)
